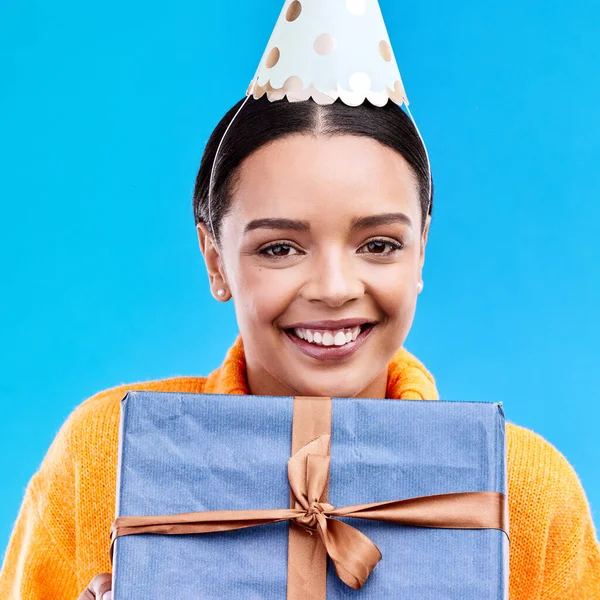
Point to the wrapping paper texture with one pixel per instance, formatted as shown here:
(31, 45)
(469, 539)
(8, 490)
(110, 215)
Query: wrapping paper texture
(193, 452)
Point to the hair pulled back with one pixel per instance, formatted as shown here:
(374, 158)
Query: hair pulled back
(262, 121)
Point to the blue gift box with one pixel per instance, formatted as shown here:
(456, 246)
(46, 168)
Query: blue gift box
(182, 453)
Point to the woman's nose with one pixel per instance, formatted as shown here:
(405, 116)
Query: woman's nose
(334, 280)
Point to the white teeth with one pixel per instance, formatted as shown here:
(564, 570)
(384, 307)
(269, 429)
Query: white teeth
(338, 337)
(327, 339)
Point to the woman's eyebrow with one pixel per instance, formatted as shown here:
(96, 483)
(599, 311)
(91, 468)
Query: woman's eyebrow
(383, 219)
(271, 223)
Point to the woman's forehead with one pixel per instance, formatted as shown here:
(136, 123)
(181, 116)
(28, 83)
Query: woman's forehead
(308, 174)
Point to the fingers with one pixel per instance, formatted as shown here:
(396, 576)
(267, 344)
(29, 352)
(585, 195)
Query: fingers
(99, 588)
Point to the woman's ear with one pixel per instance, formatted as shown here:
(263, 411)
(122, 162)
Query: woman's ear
(214, 264)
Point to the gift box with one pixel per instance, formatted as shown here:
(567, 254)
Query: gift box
(253, 497)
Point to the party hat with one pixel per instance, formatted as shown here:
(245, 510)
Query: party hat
(329, 49)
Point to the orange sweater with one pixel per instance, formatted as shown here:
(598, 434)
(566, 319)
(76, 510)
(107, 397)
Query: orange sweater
(61, 536)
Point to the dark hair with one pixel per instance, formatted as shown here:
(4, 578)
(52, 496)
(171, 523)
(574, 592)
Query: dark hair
(262, 121)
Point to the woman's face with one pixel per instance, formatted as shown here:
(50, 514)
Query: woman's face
(321, 252)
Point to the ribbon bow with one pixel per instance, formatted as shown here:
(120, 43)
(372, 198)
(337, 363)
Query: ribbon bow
(353, 554)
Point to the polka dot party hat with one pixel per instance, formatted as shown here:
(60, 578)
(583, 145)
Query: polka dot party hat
(329, 49)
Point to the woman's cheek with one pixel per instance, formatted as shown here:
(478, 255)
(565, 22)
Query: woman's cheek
(396, 296)
(265, 295)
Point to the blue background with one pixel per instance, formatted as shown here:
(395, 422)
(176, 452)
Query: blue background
(104, 111)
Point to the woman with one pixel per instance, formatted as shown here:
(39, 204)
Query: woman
(317, 230)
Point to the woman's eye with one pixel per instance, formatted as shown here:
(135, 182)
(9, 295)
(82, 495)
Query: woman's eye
(278, 250)
(380, 247)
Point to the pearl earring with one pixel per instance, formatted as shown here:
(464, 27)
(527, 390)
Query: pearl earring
(420, 286)
(220, 292)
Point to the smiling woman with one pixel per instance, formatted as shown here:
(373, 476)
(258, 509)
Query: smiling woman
(316, 230)
(320, 217)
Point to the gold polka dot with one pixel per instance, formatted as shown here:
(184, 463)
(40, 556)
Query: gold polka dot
(324, 44)
(273, 57)
(292, 84)
(321, 97)
(259, 91)
(293, 11)
(398, 94)
(360, 82)
(277, 94)
(356, 7)
(385, 50)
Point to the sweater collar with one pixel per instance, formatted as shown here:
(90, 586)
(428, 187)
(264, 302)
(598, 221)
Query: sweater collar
(408, 379)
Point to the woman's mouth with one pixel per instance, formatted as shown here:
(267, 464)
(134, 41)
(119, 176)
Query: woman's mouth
(329, 344)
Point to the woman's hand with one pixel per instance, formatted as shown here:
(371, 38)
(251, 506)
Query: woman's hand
(99, 588)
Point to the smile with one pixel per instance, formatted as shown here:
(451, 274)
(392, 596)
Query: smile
(329, 343)
(326, 337)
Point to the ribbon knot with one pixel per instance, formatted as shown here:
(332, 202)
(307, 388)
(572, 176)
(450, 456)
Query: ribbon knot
(310, 519)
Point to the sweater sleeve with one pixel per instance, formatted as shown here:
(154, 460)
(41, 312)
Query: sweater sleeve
(572, 566)
(39, 562)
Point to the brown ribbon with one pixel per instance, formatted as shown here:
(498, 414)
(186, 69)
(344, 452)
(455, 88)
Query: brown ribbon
(353, 554)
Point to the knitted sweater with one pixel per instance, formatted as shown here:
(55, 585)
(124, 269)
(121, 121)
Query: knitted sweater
(61, 537)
